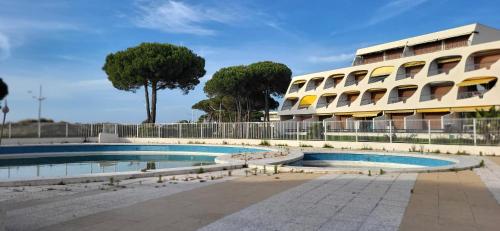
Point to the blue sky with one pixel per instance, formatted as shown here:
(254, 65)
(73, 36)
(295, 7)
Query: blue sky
(62, 44)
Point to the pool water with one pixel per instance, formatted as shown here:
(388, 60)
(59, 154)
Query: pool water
(374, 158)
(49, 161)
(26, 168)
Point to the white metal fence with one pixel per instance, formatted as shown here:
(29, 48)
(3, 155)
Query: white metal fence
(445, 131)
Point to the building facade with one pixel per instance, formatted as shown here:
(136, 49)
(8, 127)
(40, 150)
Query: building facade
(435, 76)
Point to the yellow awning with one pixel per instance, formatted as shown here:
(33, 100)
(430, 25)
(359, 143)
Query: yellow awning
(407, 87)
(359, 72)
(399, 111)
(476, 80)
(449, 60)
(307, 100)
(381, 71)
(336, 76)
(365, 114)
(376, 89)
(414, 64)
(470, 109)
(433, 110)
(351, 92)
(300, 81)
(342, 113)
(317, 78)
(329, 94)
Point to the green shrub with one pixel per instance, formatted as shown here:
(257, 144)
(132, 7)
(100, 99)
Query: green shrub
(264, 143)
(327, 146)
(201, 170)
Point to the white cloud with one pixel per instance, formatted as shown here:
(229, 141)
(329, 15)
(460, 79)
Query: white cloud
(4, 47)
(393, 9)
(331, 58)
(179, 17)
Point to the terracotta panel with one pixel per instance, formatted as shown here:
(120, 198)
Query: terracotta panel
(446, 67)
(393, 54)
(413, 70)
(406, 92)
(337, 81)
(398, 119)
(376, 96)
(486, 60)
(435, 119)
(460, 41)
(439, 91)
(427, 48)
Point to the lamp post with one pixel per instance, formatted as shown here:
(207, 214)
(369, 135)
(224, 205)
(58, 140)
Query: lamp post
(5, 110)
(40, 98)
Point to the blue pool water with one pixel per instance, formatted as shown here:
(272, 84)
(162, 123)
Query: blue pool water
(74, 160)
(393, 159)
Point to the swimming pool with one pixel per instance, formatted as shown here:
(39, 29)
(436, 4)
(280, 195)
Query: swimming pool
(373, 160)
(48, 161)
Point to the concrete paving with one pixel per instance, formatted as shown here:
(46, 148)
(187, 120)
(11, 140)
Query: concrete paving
(451, 201)
(56, 206)
(332, 202)
(490, 175)
(188, 210)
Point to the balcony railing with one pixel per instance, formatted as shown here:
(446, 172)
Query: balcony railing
(470, 94)
(397, 99)
(434, 96)
(405, 75)
(477, 66)
(368, 101)
(345, 103)
(350, 82)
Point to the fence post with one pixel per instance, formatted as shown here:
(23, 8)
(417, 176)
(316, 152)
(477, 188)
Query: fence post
(356, 124)
(474, 130)
(137, 131)
(298, 130)
(324, 130)
(159, 130)
(429, 130)
(390, 131)
(66, 129)
(180, 130)
(223, 125)
(91, 130)
(201, 130)
(10, 130)
(272, 129)
(116, 128)
(39, 130)
(248, 125)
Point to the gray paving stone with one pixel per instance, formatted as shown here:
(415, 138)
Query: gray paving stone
(332, 202)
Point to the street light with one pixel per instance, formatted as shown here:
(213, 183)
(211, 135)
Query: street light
(5, 110)
(40, 98)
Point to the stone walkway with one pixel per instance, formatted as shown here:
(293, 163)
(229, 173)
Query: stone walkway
(188, 210)
(490, 175)
(332, 202)
(451, 201)
(34, 214)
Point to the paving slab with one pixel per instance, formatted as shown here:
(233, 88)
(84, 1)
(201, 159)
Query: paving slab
(188, 210)
(451, 201)
(331, 202)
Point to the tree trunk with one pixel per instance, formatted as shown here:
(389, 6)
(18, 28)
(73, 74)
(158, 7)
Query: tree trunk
(153, 102)
(148, 111)
(266, 105)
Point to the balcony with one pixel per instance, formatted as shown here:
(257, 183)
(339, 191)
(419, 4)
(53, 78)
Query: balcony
(477, 66)
(397, 99)
(470, 94)
(444, 65)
